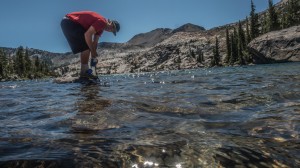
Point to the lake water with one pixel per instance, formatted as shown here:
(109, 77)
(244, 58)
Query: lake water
(218, 117)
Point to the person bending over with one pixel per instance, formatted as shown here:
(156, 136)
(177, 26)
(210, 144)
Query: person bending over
(82, 30)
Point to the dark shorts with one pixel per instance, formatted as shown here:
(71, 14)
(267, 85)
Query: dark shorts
(74, 33)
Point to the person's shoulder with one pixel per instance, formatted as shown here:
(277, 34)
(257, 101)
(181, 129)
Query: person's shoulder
(100, 17)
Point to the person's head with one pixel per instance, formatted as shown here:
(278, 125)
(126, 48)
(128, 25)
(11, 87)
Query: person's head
(112, 26)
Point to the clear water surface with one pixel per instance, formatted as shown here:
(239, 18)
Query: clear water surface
(218, 117)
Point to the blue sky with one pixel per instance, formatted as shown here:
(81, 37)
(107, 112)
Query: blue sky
(36, 23)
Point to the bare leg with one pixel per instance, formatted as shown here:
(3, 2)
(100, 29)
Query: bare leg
(84, 58)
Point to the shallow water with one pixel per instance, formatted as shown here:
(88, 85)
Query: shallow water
(218, 117)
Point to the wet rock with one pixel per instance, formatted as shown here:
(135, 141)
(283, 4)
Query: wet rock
(277, 46)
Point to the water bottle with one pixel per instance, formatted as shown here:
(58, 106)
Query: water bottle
(93, 64)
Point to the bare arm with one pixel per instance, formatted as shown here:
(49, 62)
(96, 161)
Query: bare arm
(95, 42)
(89, 40)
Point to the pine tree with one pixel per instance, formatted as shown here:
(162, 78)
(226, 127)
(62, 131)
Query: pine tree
(10, 66)
(42, 68)
(19, 62)
(191, 53)
(254, 24)
(283, 21)
(200, 55)
(248, 37)
(297, 10)
(265, 24)
(273, 23)
(27, 62)
(216, 59)
(293, 14)
(228, 47)
(241, 44)
(234, 48)
(45, 68)
(37, 64)
(2, 64)
(242, 36)
(5, 65)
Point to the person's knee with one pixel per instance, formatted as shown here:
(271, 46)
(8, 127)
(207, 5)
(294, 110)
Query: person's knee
(85, 53)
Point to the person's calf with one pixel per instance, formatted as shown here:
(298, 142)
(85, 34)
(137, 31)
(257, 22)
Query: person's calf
(84, 68)
(84, 57)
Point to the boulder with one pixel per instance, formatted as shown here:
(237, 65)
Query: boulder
(277, 46)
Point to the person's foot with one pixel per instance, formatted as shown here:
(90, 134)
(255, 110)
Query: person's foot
(88, 75)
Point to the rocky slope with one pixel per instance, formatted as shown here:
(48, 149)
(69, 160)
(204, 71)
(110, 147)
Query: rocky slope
(178, 51)
(277, 46)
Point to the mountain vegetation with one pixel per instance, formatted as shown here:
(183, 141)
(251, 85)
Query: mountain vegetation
(237, 40)
(21, 66)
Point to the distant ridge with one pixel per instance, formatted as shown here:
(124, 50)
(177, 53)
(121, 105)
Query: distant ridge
(158, 35)
(189, 27)
(150, 38)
